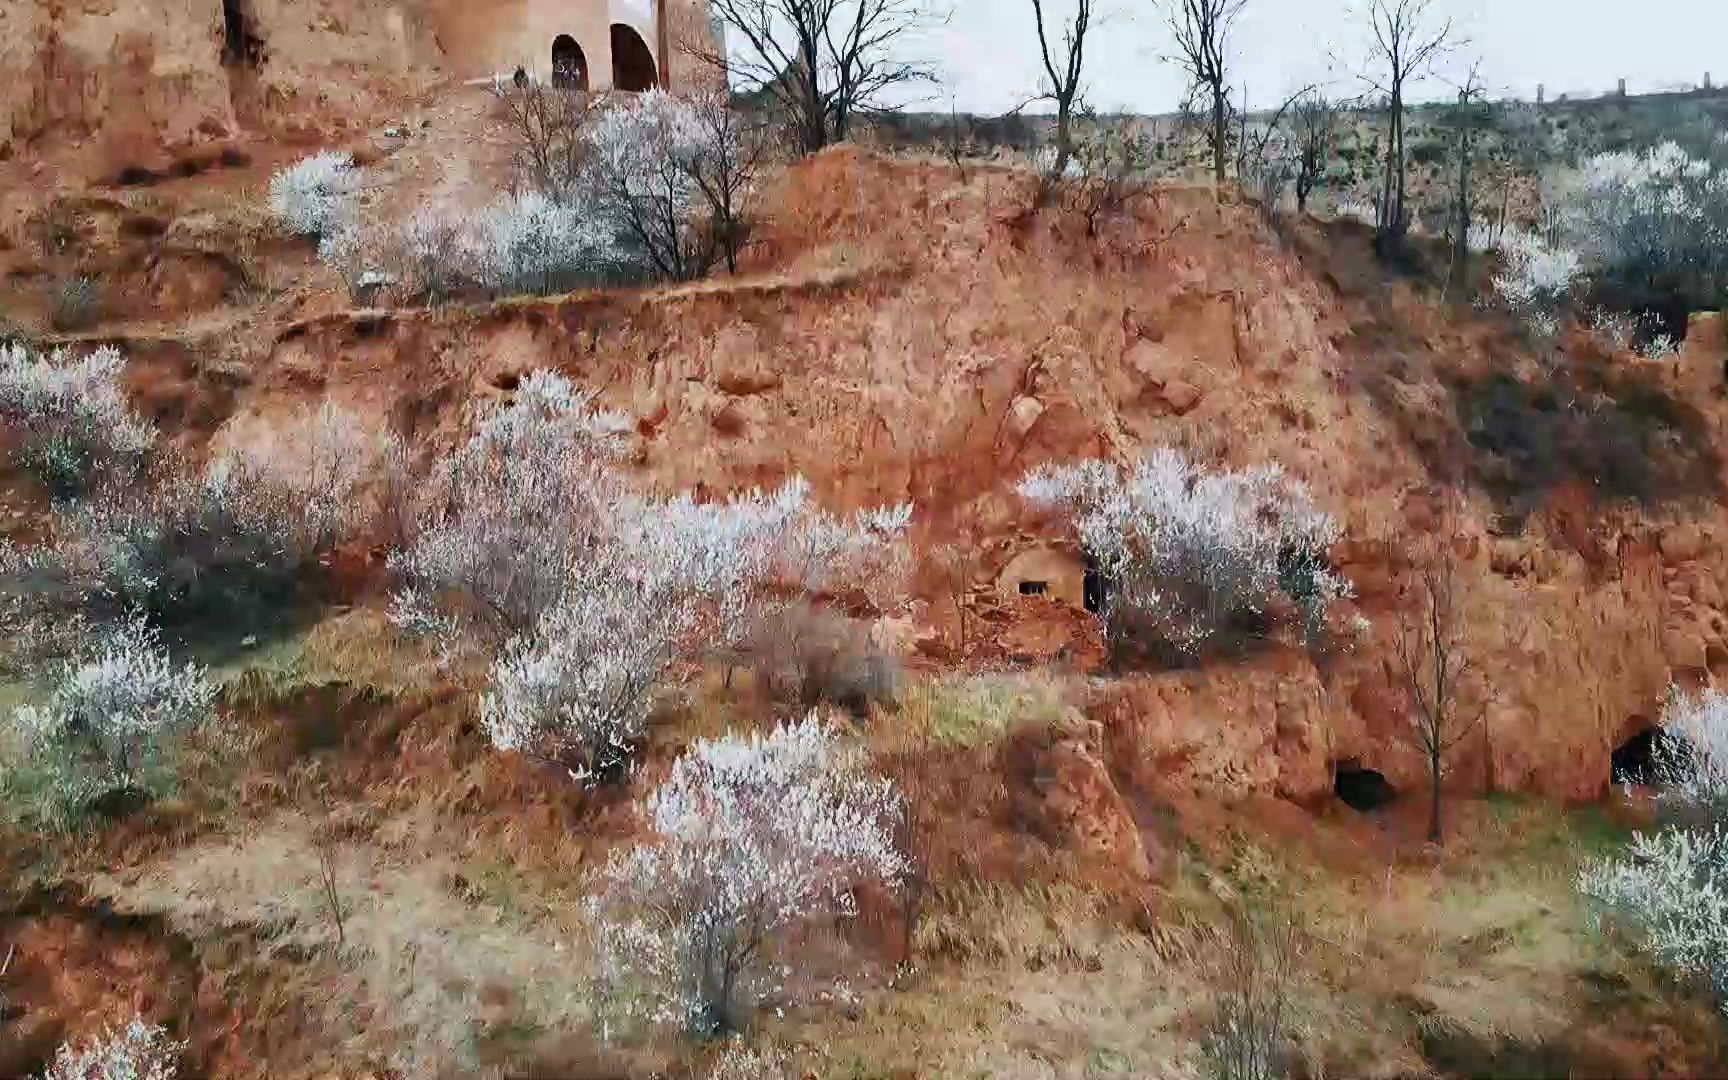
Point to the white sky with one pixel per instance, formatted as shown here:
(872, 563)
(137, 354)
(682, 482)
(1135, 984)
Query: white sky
(988, 55)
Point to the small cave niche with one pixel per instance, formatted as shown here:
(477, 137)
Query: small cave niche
(1633, 761)
(1034, 588)
(241, 45)
(1636, 760)
(1361, 789)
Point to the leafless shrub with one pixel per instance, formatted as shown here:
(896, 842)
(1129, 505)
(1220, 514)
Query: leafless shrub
(545, 126)
(958, 565)
(1108, 174)
(813, 655)
(1247, 1037)
(77, 305)
(324, 843)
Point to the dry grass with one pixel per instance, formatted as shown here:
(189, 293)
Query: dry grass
(1490, 947)
(435, 976)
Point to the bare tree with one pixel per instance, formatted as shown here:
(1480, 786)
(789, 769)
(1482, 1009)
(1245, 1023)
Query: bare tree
(958, 564)
(1406, 43)
(955, 141)
(544, 124)
(1202, 29)
(1466, 118)
(1316, 124)
(1430, 668)
(821, 63)
(1064, 70)
(724, 163)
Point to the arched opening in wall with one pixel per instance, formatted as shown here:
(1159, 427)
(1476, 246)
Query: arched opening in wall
(241, 45)
(1092, 588)
(1361, 789)
(633, 65)
(569, 65)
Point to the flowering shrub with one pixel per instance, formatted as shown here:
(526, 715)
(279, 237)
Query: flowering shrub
(577, 691)
(72, 416)
(752, 835)
(138, 1051)
(1671, 884)
(1537, 277)
(221, 543)
(1662, 214)
(315, 195)
(529, 244)
(237, 537)
(1188, 552)
(1689, 761)
(511, 514)
(584, 592)
(110, 727)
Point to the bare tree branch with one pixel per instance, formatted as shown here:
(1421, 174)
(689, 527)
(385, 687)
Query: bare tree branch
(1064, 70)
(820, 63)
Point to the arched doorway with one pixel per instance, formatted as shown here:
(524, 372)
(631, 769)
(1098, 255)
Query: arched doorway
(569, 66)
(632, 64)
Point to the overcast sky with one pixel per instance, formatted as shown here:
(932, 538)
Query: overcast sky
(988, 56)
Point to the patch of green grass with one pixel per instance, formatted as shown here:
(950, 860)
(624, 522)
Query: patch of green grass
(974, 710)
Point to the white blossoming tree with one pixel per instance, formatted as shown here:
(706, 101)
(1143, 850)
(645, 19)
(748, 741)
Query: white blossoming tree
(138, 1051)
(586, 594)
(1186, 553)
(73, 421)
(673, 175)
(316, 194)
(577, 690)
(1672, 884)
(1536, 279)
(751, 836)
(511, 515)
(639, 177)
(1644, 231)
(109, 730)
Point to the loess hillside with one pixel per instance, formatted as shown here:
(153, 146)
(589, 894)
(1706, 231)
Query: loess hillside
(900, 331)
